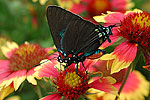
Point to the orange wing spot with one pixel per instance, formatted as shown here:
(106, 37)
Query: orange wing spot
(70, 55)
(80, 54)
(95, 56)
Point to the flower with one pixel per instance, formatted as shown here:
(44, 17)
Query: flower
(14, 98)
(71, 85)
(67, 4)
(134, 31)
(5, 91)
(135, 88)
(97, 7)
(20, 63)
(42, 2)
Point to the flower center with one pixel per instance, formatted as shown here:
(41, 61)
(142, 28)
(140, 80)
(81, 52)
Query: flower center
(71, 85)
(96, 7)
(26, 56)
(136, 28)
(142, 19)
(72, 79)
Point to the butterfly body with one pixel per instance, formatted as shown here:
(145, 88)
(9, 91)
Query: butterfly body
(77, 56)
(75, 38)
(70, 57)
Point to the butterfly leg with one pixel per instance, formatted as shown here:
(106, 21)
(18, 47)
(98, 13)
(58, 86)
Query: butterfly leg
(65, 69)
(79, 74)
(84, 68)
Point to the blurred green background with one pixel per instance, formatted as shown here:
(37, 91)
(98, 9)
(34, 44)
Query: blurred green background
(25, 20)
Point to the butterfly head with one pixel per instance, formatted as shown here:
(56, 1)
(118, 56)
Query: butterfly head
(109, 29)
(105, 32)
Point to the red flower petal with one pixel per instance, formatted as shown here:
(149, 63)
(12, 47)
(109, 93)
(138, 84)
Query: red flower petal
(105, 84)
(56, 96)
(4, 69)
(78, 8)
(126, 51)
(114, 17)
(16, 77)
(46, 69)
(30, 77)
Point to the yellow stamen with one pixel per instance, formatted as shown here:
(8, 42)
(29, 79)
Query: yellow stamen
(72, 79)
(142, 19)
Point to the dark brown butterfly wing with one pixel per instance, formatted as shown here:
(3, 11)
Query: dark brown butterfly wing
(58, 19)
(80, 36)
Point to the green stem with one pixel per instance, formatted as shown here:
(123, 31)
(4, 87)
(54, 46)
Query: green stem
(124, 81)
(38, 91)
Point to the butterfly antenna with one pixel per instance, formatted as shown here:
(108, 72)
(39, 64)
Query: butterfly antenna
(54, 54)
(115, 25)
(44, 62)
(84, 68)
(79, 74)
(52, 58)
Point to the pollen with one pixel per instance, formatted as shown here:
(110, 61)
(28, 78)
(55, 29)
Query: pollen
(72, 79)
(142, 19)
(136, 29)
(26, 56)
(71, 85)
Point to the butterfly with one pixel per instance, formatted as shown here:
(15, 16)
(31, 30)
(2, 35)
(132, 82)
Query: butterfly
(75, 38)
